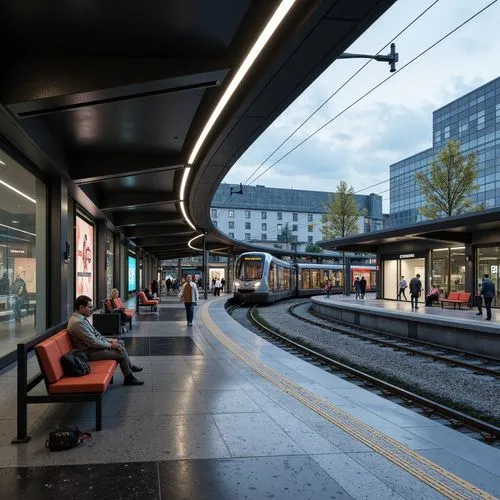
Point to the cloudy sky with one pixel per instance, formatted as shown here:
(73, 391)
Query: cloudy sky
(393, 122)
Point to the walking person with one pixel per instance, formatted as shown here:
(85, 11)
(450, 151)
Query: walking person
(415, 290)
(189, 295)
(222, 282)
(356, 287)
(478, 299)
(362, 287)
(217, 287)
(488, 293)
(168, 284)
(328, 288)
(403, 285)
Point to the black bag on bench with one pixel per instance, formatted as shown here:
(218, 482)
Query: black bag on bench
(75, 363)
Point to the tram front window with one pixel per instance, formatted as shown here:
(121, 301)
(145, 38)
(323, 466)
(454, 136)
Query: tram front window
(250, 268)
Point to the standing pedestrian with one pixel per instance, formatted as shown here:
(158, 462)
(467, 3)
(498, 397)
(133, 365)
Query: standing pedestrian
(217, 287)
(328, 288)
(356, 287)
(403, 285)
(488, 292)
(222, 282)
(362, 287)
(18, 289)
(189, 295)
(415, 290)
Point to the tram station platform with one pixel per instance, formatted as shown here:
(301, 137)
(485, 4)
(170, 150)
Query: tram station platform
(458, 328)
(225, 415)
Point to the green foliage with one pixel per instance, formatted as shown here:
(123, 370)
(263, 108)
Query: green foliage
(313, 248)
(341, 213)
(450, 183)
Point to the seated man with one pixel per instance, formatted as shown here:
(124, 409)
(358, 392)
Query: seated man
(87, 339)
(432, 296)
(150, 296)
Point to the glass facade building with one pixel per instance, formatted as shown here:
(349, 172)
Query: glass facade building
(474, 120)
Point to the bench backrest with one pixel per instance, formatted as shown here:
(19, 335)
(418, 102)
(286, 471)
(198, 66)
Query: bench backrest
(49, 354)
(465, 296)
(454, 296)
(142, 298)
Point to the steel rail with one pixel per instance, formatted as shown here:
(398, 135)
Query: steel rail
(489, 432)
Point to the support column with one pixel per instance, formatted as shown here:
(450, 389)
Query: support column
(57, 276)
(471, 279)
(205, 268)
(100, 293)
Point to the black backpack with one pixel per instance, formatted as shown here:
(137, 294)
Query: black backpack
(64, 438)
(75, 364)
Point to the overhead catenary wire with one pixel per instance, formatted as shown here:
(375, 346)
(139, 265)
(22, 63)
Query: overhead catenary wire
(375, 87)
(329, 98)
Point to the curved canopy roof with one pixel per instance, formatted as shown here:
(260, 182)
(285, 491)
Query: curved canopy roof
(114, 97)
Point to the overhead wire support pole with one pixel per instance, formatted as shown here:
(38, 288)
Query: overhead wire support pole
(392, 58)
(205, 267)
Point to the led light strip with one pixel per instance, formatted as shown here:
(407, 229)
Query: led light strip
(15, 229)
(191, 241)
(257, 48)
(3, 183)
(264, 37)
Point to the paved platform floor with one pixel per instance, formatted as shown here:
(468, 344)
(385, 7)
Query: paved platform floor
(447, 312)
(226, 415)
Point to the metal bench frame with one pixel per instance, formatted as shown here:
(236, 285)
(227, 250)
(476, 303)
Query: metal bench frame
(24, 386)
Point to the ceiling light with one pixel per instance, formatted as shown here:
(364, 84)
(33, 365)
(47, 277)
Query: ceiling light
(15, 229)
(2, 162)
(14, 221)
(17, 191)
(185, 176)
(183, 210)
(257, 48)
(191, 240)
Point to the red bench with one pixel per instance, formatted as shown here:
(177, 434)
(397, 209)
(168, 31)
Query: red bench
(94, 384)
(457, 298)
(49, 348)
(143, 301)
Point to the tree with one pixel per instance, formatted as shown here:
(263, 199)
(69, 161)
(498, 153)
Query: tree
(313, 248)
(449, 184)
(341, 219)
(341, 213)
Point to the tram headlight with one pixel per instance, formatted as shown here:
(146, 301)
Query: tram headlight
(236, 283)
(257, 284)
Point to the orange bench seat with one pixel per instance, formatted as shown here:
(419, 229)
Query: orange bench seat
(457, 298)
(92, 385)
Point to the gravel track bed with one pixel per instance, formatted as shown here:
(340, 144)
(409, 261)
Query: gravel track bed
(458, 385)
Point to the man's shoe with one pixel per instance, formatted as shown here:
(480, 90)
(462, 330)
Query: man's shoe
(190, 324)
(131, 380)
(136, 369)
(479, 314)
(488, 319)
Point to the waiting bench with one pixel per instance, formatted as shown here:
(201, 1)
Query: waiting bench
(457, 298)
(143, 301)
(49, 348)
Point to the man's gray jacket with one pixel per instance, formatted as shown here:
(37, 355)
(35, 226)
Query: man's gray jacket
(84, 336)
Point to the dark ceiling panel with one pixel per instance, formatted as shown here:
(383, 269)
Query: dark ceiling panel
(153, 124)
(157, 182)
(174, 27)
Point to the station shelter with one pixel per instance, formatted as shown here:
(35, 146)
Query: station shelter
(452, 254)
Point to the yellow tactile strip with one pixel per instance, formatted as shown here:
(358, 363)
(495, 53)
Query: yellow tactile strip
(445, 482)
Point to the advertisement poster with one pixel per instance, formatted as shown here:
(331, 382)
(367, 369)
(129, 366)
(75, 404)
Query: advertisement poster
(131, 273)
(26, 268)
(84, 261)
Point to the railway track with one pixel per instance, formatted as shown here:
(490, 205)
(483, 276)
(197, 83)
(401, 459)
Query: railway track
(478, 363)
(472, 426)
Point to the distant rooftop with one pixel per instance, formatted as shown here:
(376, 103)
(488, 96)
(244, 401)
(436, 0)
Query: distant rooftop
(280, 199)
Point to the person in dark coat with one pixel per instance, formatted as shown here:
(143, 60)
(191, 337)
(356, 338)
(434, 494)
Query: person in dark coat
(488, 292)
(362, 287)
(415, 290)
(154, 288)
